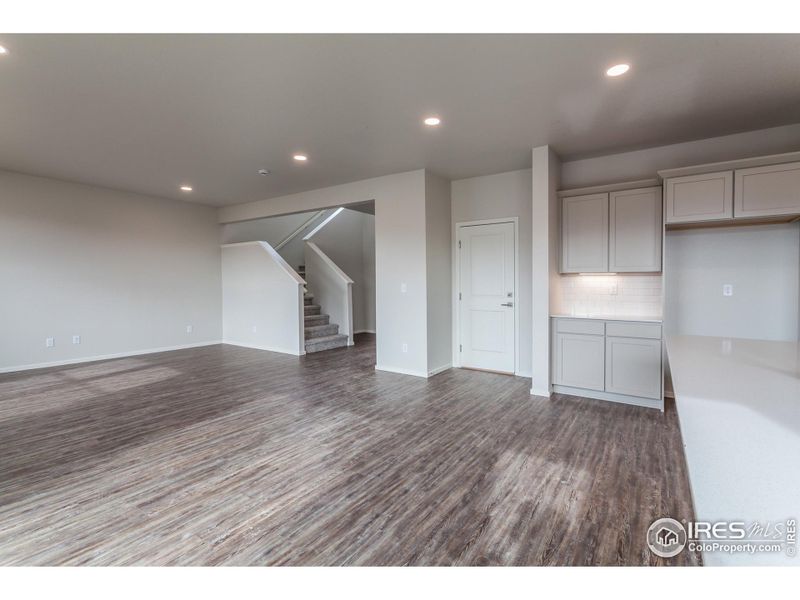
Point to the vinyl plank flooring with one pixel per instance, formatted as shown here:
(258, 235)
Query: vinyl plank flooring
(231, 456)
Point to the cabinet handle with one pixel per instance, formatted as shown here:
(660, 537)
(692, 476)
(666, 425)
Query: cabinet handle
(507, 304)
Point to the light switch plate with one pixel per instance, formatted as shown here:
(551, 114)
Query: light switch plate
(727, 290)
(76, 339)
(50, 342)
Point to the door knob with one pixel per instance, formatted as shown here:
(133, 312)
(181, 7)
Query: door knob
(507, 304)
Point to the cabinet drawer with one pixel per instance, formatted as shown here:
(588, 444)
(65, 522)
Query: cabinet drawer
(707, 197)
(767, 191)
(633, 330)
(585, 326)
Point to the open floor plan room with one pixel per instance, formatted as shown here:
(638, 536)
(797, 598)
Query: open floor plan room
(327, 300)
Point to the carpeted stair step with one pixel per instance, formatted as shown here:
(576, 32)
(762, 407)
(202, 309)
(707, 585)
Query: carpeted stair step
(312, 320)
(312, 309)
(318, 331)
(326, 343)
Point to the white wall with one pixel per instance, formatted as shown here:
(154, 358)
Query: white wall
(643, 164)
(494, 197)
(343, 240)
(368, 253)
(400, 238)
(126, 272)
(262, 299)
(545, 234)
(439, 264)
(761, 262)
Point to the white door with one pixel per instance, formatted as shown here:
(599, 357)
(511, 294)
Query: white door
(487, 296)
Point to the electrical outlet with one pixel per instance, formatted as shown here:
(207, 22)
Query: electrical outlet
(189, 329)
(405, 347)
(255, 329)
(403, 288)
(727, 290)
(50, 342)
(613, 289)
(76, 339)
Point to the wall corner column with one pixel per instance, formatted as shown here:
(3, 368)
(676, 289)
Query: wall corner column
(545, 179)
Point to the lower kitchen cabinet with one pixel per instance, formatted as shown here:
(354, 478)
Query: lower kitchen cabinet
(580, 360)
(609, 360)
(633, 367)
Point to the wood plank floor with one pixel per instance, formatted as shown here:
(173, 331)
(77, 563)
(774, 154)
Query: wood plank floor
(230, 456)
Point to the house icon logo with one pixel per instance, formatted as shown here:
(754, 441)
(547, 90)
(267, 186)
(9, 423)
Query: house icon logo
(666, 537)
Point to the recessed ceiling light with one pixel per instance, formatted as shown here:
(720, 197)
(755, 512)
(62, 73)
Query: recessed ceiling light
(186, 188)
(618, 70)
(3, 50)
(432, 121)
(300, 157)
(263, 172)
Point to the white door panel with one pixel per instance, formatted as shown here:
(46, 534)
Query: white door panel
(487, 326)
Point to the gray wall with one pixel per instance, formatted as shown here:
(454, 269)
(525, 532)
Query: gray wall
(438, 250)
(761, 262)
(494, 197)
(643, 164)
(273, 231)
(126, 272)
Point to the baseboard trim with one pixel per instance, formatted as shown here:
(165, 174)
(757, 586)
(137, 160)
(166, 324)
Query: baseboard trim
(99, 357)
(540, 392)
(668, 394)
(401, 371)
(437, 370)
(610, 397)
(267, 348)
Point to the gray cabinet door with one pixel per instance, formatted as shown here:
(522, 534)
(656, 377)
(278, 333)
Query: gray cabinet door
(706, 197)
(584, 234)
(767, 191)
(635, 231)
(633, 367)
(580, 360)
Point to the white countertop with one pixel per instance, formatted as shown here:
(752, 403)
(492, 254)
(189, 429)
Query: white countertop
(738, 404)
(602, 317)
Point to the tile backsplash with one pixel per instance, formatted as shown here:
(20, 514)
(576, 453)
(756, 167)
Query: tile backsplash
(633, 295)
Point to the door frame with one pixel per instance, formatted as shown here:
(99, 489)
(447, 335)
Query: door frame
(457, 285)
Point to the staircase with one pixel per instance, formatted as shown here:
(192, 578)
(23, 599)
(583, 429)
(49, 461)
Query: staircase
(320, 333)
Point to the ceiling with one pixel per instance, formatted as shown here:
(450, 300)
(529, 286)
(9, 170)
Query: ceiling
(147, 113)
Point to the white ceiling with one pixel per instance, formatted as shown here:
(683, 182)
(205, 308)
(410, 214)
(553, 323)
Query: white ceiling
(148, 113)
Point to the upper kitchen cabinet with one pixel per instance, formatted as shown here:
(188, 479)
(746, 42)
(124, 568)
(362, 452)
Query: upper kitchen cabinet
(584, 234)
(704, 197)
(635, 230)
(767, 191)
